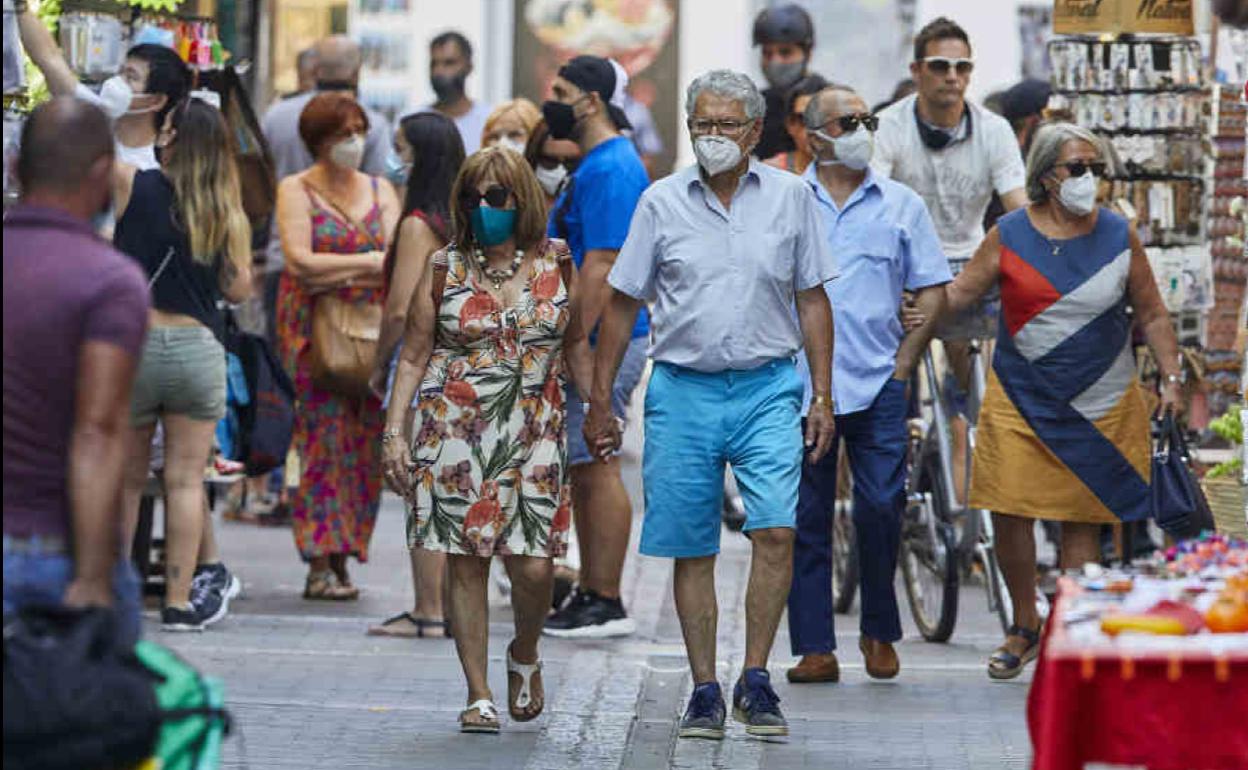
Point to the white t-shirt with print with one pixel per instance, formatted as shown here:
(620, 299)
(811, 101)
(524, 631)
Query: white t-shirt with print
(956, 182)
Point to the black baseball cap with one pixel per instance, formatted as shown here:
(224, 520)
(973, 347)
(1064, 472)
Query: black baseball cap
(1024, 99)
(594, 73)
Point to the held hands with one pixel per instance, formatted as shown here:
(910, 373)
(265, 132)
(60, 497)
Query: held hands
(603, 434)
(820, 431)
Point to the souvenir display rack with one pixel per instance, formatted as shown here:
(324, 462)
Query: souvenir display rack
(95, 34)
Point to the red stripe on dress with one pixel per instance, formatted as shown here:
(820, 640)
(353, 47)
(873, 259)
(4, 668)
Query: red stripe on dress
(1025, 293)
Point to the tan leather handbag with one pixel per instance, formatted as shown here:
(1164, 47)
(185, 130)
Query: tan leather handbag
(344, 334)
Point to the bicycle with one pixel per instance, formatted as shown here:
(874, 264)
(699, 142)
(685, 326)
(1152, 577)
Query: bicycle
(942, 539)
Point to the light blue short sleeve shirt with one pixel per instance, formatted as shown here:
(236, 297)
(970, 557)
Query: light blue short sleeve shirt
(885, 242)
(722, 281)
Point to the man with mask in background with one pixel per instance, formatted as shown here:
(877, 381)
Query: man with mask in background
(732, 254)
(450, 64)
(885, 243)
(787, 37)
(151, 81)
(593, 214)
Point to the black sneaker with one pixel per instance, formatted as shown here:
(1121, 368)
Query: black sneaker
(704, 716)
(590, 616)
(212, 588)
(178, 619)
(756, 705)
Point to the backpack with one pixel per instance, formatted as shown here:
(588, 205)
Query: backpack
(75, 699)
(266, 415)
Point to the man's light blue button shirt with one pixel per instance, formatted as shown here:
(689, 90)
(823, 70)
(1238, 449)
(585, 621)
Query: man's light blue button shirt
(885, 241)
(723, 281)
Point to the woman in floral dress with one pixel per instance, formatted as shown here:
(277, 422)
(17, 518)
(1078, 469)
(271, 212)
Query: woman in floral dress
(486, 471)
(333, 221)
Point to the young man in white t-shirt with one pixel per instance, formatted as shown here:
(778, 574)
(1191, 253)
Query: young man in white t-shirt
(954, 154)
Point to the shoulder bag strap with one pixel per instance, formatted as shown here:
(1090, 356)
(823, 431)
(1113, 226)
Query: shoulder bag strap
(163, 264)
(361, 229)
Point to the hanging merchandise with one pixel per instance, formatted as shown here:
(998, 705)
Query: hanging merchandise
(94, 44)
(14, 76)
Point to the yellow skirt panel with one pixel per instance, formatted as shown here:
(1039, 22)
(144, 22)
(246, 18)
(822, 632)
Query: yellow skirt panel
(1014, 472)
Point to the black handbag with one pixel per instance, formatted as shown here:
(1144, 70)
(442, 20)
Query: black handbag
(266, 422)
(74, 699)
(1178, 502)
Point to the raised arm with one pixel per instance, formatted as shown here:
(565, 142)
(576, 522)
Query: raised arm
(46, 54)
(319, 271)
(1153, 319)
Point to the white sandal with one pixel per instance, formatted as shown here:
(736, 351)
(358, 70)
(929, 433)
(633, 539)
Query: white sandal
(524, 698)
(487, 710)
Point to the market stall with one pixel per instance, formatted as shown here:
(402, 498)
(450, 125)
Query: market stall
(1148, 668)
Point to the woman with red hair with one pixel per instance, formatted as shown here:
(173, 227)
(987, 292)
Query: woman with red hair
(333, 221)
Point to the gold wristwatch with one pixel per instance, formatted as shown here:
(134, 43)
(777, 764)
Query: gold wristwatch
(822, 400)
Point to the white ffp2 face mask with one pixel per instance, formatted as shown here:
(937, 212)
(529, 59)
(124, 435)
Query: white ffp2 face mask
(1078, 194)
(349, 153)
(509, 143)
(551, 179)
(115, 97)
(851, 150)
(716, 154)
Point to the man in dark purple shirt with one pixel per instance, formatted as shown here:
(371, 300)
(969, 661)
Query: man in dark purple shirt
(75, 313)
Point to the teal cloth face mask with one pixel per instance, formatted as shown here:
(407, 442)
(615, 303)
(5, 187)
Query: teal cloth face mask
(491, 227)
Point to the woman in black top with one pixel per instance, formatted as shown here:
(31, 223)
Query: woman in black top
(184, 223)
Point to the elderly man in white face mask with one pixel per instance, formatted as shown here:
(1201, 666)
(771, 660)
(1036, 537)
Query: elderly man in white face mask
(886, 244)
(724, 250)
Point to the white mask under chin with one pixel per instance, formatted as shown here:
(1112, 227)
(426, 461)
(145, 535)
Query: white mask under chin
(551, 179)
(1078, 194)
(349, 153)
(716, 154)
(851, 150)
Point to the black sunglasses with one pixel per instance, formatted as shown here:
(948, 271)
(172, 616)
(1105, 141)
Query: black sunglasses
(496, 197)
(1079, 167)
(850, 123)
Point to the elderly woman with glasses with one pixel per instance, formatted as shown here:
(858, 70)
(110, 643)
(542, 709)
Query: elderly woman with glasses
(485, 472)
(1063, 432)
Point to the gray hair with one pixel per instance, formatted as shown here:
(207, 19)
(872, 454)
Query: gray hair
(730, 85)
(816, 115)
(1046, 148)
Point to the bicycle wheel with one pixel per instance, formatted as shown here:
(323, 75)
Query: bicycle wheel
(928, 555)
(844, 558)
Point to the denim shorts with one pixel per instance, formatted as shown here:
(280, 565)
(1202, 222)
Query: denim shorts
(695, 423)
(182, 372)
(626, 381)
(38, 574)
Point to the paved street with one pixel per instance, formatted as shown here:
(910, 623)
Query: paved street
(310, 690)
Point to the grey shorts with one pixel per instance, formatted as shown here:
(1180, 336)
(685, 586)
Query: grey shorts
(626, 380)
(182, 372)
(978, 322)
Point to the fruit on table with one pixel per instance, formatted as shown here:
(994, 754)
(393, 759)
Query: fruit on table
(1228, 615)
(1148, 624)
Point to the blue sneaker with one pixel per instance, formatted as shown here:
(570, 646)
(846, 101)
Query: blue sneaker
(756, 705)
(704, 717)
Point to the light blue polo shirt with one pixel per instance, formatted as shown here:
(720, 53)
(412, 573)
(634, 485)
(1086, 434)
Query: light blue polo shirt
(885, 242)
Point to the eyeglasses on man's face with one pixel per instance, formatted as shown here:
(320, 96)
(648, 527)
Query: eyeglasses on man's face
(726, 127)
(940, 65)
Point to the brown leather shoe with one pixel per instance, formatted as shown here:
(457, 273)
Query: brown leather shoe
(815, 668)
(880, 657)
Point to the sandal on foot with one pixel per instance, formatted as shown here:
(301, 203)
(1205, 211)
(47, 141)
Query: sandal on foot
(520, 699)
(489, 718)
(325, 586)
(405, 625)
(1006, 665)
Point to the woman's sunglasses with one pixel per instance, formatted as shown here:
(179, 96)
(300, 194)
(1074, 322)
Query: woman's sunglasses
(941, 64)
(1079, 167)
(495, 197)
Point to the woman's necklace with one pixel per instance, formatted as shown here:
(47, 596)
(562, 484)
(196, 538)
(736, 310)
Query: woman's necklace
(498, 277)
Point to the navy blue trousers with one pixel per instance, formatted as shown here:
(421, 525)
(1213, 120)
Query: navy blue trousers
(875, 439)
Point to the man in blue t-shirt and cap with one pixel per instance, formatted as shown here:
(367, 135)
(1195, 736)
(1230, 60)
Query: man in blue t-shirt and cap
(593, 214)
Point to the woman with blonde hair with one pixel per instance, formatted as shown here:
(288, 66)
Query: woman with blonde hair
(485, 472)
(185, 224)
(510, 124)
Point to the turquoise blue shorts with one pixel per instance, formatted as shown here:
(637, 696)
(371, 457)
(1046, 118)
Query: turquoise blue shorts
(696, 422)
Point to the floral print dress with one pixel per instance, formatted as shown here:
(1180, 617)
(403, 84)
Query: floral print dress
(491, 451)
(337, 438)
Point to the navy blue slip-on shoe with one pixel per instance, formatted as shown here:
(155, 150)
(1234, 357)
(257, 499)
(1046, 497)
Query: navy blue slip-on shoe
(704, 717)
(756, 705)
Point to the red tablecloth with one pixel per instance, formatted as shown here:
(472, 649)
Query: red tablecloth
(1178, 711)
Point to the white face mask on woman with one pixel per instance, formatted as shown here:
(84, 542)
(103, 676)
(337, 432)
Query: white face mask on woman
(349, 153)
(716, 154)
(551, 179)
(1078, 194)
